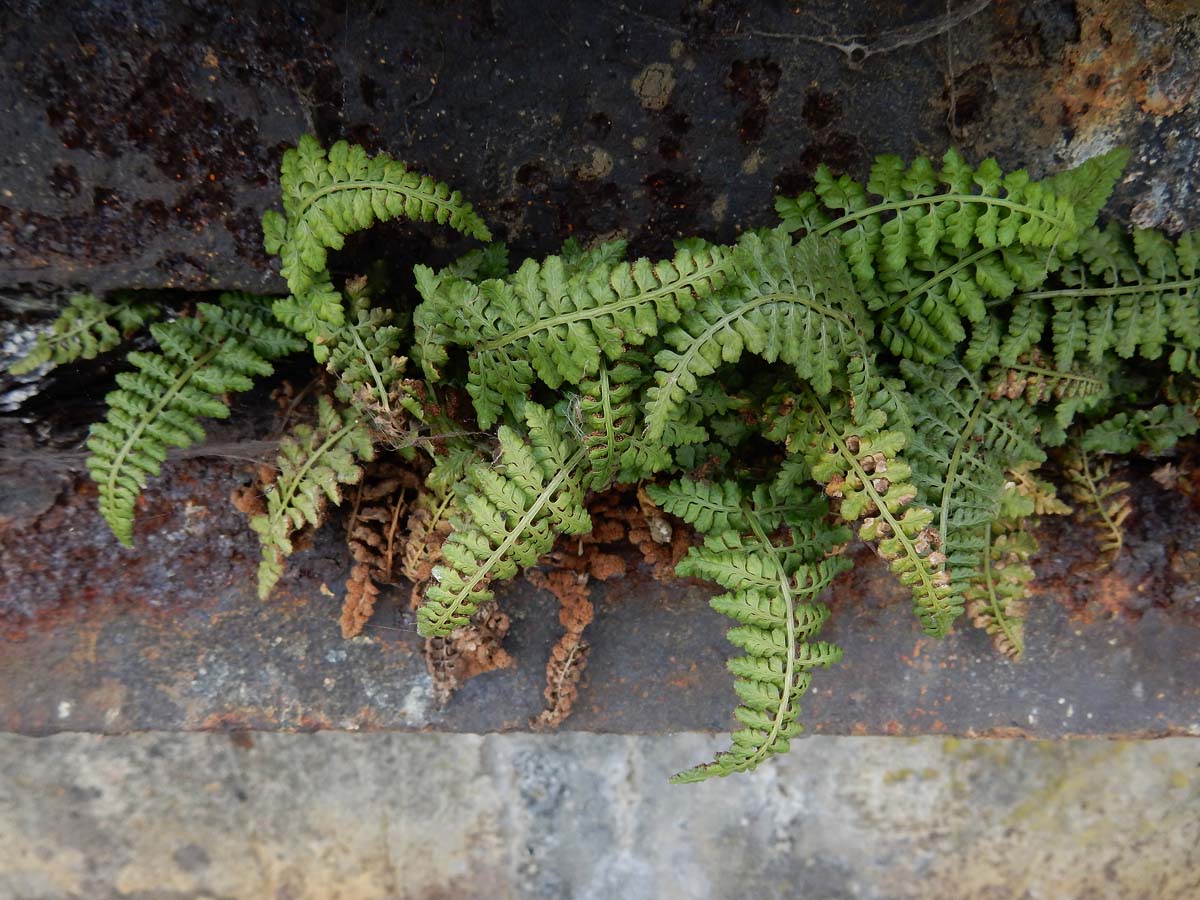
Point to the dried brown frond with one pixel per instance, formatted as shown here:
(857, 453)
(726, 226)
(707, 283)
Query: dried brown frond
(373, 534)
(568, 659)
(468, 651)
(427, 528)
(569, 656)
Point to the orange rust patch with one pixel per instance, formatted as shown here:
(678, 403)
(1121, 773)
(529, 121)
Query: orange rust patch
(1114, 70)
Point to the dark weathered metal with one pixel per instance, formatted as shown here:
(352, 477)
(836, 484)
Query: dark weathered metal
(171, 637)
(142, 141)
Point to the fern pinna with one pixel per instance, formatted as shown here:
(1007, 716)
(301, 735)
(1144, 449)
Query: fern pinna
(920, 342)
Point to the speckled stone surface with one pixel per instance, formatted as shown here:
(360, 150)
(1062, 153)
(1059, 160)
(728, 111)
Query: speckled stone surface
(425, 817)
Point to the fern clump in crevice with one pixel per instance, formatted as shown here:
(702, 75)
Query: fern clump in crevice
(896, 357)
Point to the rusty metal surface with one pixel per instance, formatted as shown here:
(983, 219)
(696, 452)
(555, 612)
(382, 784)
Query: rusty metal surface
(171, 637)
(142, 139)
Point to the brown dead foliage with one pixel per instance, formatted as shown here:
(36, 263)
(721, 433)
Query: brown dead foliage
(569, 656)
(468, 651)
(626, 525)
(373, 536)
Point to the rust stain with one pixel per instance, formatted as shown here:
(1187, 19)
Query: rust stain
(1115, 70)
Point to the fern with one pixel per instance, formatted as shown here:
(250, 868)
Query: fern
(790, 302)
(997, 597)
(553, 321)
(766, 578)
(1134, 296)
(364, 358)
(609, 423)
(1102, 499)
(1156, 429)
(88, 327)
(937, 242)
(313, 463)
(855, 455)
(920, 341)
(329, 195)
(1072, 390)
(964, 443)
(998, 592)
(511, 517)
(221, 349)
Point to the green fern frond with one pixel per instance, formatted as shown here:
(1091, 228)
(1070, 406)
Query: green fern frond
(480, 264)
(936, 243)
(854, 453)
(998, 592)
(221, 349)
(313, 463)
(997, 595)
(965, 441)
(610, 425)
(555, 322)
(512, 515)
(1130, 295)
(766, 577)
(88, 327)
(789, 302)
(327, 196)
(443, 293)
(1156, 429)
(1102, 499)
(1088, 185)
(919, 208)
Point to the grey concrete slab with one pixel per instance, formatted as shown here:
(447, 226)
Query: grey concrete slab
(356, 817)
